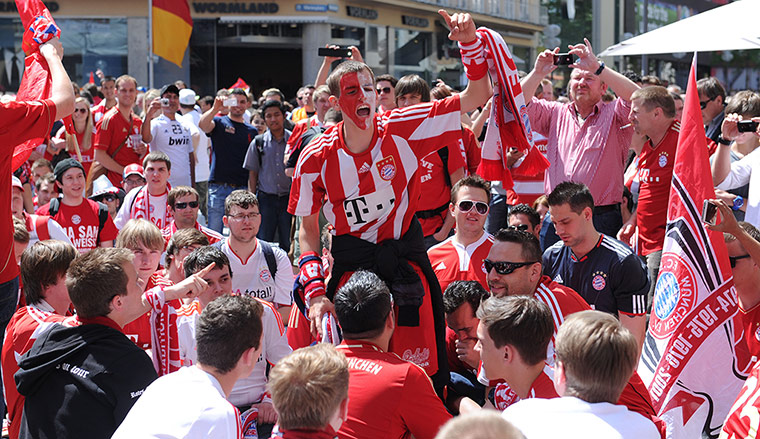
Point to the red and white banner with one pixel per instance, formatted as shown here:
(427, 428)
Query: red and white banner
(690, 361)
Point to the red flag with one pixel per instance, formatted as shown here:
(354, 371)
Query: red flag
(92, 78)
(240, 84)
(36, 83)
(693, 359)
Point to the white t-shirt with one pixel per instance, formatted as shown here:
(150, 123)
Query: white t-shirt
(173, 137)
(157, 209)
(274, 344)
(54, 230)
(202, 161)
(742, 172)
(253, 278)
(573, 418)
(188, 403)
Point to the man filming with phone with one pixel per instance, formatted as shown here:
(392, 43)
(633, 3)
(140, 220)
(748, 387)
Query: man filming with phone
(230, 137)
(587, 142)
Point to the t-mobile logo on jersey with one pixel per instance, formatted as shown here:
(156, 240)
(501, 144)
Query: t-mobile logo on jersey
(368, 208)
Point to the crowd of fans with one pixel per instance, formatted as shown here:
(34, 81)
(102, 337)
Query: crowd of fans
(159, 244)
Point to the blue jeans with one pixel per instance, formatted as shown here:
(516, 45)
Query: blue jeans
(274, 218)
(217, 193)
(497, 214)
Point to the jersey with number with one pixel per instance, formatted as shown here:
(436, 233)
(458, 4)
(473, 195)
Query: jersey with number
(173, 137)
(655, 173)
(453, 261)
(253, 278)
(610, 277)
(373, 195)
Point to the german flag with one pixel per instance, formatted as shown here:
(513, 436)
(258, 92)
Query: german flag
(172, 27)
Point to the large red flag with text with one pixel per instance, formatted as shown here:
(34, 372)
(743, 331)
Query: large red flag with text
(36, 83)
(693, 361)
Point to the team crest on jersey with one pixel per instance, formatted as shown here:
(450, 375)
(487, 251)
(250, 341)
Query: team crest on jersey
(674, 295)
(420, 357)
(599, 281)
(387, 168)
(662, 160)
(265, 275)
(151, 208)
(757, 333)
(483, 267)
(76, 219)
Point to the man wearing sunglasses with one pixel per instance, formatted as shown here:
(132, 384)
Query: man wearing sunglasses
(525, 218)
(183, 205)
(461, 256)
(514, 268)
(603, 270)
(743, 245)
(712, 100)
(386, 93)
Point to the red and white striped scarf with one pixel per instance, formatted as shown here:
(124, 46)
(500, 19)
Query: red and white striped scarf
(163, 330)
(508, 124)
(141, 207)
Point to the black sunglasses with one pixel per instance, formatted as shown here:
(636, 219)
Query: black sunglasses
(733, 259)
(703, 104)
(109, 197)
(180, 206)
(503, 267)
(383, 90)
(520, 227)
(80, 110)
(467, 205)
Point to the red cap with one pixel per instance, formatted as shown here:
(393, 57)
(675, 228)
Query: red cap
(134, 168)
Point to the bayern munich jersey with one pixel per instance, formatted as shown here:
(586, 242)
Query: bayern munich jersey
(274, 346)
(610, 277)
(253, 278)
(453, 261)
(373, 194)
(542, 387)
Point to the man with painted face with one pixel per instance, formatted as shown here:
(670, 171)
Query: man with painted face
(366, 168)
(586, 139)
(170, 135)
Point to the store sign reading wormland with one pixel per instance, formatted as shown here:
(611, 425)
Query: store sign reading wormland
(235, 8)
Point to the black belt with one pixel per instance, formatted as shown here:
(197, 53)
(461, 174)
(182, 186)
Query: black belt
(425, 214)
(607, 208)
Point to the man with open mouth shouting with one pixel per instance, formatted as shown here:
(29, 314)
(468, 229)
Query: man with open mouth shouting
(363, 174)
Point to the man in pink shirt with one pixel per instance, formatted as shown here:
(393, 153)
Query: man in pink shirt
(588, 138)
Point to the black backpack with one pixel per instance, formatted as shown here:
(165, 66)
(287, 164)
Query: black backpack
(266, 248)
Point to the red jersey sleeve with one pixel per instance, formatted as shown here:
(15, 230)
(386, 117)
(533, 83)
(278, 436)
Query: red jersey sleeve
(471, 149)
(103, 135)
(422, 411)
(308, 188)
(426, 127)
(109, 231)
(26, 120)
(295, 136)
(456, 160)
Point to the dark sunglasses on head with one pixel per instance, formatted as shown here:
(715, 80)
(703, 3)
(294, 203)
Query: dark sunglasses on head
(733, 259)
(180, 206)
(503, 267)
(520, 227)
(467, 205)
(80, 110)
(383, 90)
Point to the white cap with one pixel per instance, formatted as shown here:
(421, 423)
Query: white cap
(15, 182)
(102, 185)
(187, 96)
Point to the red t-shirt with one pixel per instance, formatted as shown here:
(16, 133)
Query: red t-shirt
(19, 122)
(373, 195)
(542, 387)
(455, 364)
(81, 224)
(434, 192)
(655, 174)
(24, 327)
(212, 235)
(750, 321)
(452, 261)
(388, 397)
(468, 145)
(528, 187)
(111, 131)
(87, 156)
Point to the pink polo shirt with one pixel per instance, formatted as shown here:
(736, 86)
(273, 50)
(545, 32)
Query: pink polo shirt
(592, 152)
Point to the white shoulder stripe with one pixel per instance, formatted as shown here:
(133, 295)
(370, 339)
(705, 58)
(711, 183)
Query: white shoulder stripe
(546, 295)
(618, 248)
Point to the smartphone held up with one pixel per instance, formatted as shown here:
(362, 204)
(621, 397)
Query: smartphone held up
(340, 52)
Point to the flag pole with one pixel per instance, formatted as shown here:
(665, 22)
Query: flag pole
(150, 43)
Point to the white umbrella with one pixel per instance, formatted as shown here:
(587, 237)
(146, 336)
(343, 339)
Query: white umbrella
(729, 27)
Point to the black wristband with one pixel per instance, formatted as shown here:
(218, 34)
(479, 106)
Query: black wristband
(600, 69)
(723, 141)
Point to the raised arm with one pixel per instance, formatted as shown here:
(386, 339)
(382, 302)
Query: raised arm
(62, 93)
(206, 122)
(462, 29)
(543, 66)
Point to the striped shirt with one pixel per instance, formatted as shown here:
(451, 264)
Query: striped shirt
(373, 194)
(611, 278)
(592, 152)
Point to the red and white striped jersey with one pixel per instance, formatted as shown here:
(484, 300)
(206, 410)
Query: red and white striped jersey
(212, 235)
(453, 261)
(528, 188)
(373, 194)
(542, 387)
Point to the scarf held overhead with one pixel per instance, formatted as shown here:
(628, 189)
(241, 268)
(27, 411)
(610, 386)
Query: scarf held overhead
(508, 124)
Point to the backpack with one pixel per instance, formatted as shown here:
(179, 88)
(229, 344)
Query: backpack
(266, 248)
(103, 214)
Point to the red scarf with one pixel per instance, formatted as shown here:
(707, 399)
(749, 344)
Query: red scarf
(508, 125)
(163, 329)
(141, 206)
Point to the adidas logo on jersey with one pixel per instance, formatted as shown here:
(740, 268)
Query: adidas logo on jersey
(558, 278)
(364, 168)
(440, 266)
